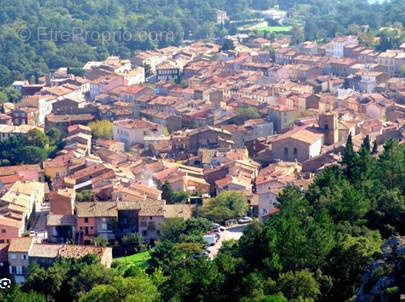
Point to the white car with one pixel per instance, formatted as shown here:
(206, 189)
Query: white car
(245, 220)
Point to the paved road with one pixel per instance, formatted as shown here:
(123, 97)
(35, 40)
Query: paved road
(234, 232)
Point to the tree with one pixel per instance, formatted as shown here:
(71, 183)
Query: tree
(348, 260)
(17, 295)
(84, 195)
(228, 45)
(375, 148)
(101, 293)
(102, 129)
(88, 277)
(301, 284)
(100, 240)
(133, 243)
(10, 94)
(365, 147)
(171, 196)
(77, 71)
(33, 155)
(349, 157)
(180, 230)
(38, 138)
(402, 70)
(46, 282)
(54, 136)
(247, 114)
(3, 97)
(225, 206)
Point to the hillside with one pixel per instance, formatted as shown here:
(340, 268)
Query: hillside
(39, 36)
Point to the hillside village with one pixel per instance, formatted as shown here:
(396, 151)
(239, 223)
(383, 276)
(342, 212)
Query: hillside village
(253, 119)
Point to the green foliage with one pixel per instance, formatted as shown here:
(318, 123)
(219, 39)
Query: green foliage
(9, 94)
(180, 230)
(138, 288)
(32, 148)
(84, 195)
(171, 196)
(100, 240)
(247, 114)
(402, 70)
(33, 155)
(137, 260)
(102, 129)
(77, 71)
(348, 260)
(17, 295)
(39, 36)
(227, 205)
(301, 284)
(228, 45)
(132, 243)
(315, 248)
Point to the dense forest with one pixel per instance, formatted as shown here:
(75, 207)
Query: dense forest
(37, 36)
(316, 248)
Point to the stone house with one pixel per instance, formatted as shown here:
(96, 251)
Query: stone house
(298, 144)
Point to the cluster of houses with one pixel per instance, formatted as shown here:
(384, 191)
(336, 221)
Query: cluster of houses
(203, 120)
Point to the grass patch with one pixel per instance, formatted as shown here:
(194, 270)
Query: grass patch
(139, 260)
(275, 29)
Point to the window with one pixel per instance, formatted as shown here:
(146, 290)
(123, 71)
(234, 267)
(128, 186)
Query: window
(144, 233)
(86, 220)
(13, 256)
(3, 230)
(295, 151)
(104, 226)
(286, 151)
(151, 226)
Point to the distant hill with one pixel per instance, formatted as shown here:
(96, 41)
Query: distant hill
(39, 36)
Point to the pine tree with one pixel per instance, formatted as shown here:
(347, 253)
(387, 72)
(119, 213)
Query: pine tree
(350, 158)
(348, 154)
(167, 192)
(365, 146)
(375, 148)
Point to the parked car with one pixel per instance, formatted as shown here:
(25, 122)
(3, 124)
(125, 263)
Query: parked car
(211, 239)
(217, 228)
(245, 220)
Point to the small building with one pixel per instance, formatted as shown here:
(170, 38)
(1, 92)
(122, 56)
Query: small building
(282, 117)
(221, 16)
(298, 144)
(18, 257)
(168, 71)
(131, 132)
(95, 218)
